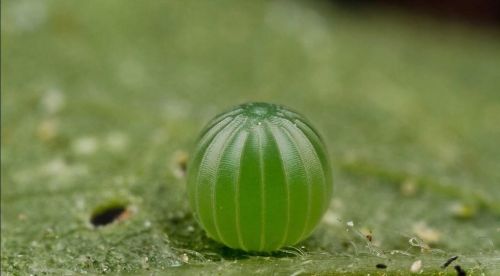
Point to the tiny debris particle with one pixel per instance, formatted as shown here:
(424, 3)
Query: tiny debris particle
(22, 216)
(367, 233)
(416, 266)
(47, 130)
(460, 271)
(185, 258)
(381, 266)
(369, 237)
(409, 187)
(449, 261)
(350, 224)
(179, 163)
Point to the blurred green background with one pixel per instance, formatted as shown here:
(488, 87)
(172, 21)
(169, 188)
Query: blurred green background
(102, 102)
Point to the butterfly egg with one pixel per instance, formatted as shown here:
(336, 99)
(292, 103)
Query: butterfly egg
(259, 178)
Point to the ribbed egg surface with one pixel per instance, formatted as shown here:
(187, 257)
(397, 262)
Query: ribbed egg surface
(259, 178)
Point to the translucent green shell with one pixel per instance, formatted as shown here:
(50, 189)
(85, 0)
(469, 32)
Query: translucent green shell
(259, 178)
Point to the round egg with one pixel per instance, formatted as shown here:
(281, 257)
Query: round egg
(259, 178)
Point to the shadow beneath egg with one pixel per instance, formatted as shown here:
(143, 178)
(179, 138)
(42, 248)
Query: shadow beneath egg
(185, 235)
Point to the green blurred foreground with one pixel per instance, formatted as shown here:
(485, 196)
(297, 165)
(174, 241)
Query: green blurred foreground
(102, 102)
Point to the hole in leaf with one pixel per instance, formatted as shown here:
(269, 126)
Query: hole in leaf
(106, 214)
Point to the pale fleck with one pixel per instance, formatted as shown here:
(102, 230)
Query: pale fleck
(350, 156)
(133, 209)
(350, 223)
(147, 224)
(25, 15)
(53, 101)
(298, 272)
(55, 167)
(59, 168)
(400, 252)
(131, 73)
(416, 267)
(426, 233)
(85, 145)
(331, 218)
(80, 203)
(300, 22)
(409, 187)
(336, 203)
(116, 141)
(145, 263)
(419, 243)
(185, 258)
(462, 210)
(176, 109)
(47, 130)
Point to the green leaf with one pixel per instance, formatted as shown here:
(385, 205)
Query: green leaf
(102, 102)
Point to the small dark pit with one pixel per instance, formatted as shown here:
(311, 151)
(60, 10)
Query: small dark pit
(381, 266)
(107, 215)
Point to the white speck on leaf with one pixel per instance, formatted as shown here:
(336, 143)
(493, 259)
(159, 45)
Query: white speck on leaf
(25, 16)
(331, 218)
(116, 141)
(416, 266)
(53, 101)
(80, 203)
(85, 146)
(185, 258)
(426, 233)
(60, 169)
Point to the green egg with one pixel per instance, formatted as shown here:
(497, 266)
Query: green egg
(259, 178)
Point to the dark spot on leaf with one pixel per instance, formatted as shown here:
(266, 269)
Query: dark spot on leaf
(107, 214)
(178, 217)
(183, 165)
(460, 271)
(381, 266)
(449, 261)
(369, 237)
